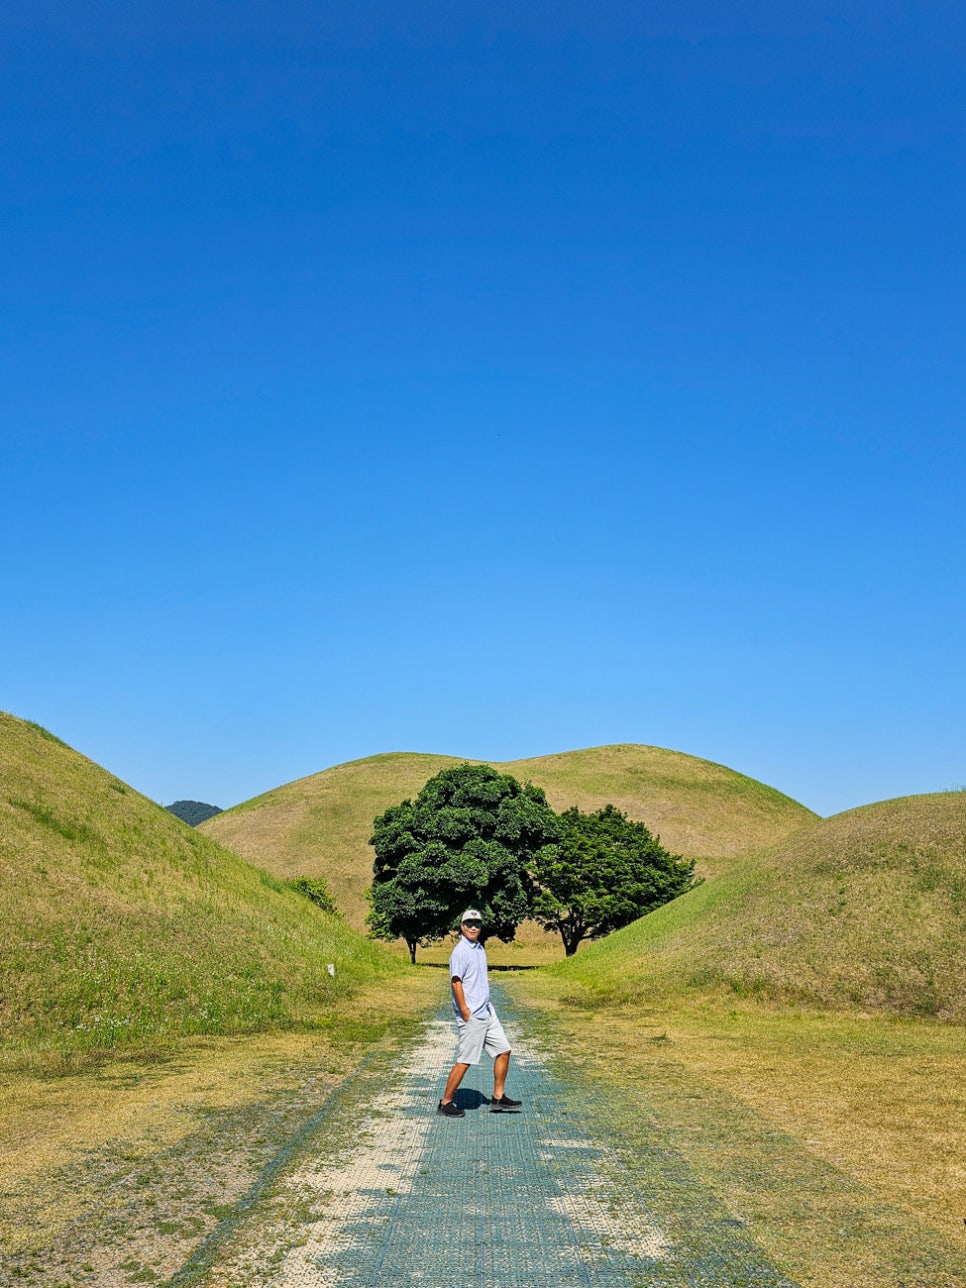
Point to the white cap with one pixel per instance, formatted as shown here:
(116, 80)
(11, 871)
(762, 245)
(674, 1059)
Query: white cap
(471, 914)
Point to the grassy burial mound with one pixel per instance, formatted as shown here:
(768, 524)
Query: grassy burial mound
(122, 924)
(864, 911)
(699, 809)
(320, 825)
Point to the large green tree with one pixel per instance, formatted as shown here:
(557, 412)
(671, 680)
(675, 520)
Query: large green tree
(602, 873)
(470, 837)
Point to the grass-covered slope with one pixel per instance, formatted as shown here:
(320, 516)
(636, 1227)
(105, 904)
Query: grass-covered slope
(701, 810)
(866, 910)
(320, 825)
(121, 923)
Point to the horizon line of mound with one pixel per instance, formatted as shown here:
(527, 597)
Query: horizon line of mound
(320, 825)
(865, 911)
(122, 925)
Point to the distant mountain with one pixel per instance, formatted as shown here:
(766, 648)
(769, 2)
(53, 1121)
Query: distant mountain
(193, 812)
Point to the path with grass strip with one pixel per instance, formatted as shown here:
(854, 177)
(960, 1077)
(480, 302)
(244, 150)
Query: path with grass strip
(393, 1193)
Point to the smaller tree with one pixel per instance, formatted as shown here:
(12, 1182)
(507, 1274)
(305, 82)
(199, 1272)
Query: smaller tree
(604, 872)
(407, 905)
(314, 888)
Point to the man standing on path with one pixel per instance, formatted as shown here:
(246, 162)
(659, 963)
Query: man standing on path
(477, 1024)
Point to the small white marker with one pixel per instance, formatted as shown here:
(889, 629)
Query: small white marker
(331, 968)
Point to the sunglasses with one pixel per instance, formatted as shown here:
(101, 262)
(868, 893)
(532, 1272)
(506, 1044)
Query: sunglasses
(471, 924)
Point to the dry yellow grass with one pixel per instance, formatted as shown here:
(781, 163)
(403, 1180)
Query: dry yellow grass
(883, 1101)
(133, 1107)
(320, 825)
(808, 984)
(700, 809)
(135, 1159)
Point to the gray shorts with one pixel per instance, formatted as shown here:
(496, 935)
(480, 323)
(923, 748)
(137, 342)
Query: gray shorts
(477, 1035)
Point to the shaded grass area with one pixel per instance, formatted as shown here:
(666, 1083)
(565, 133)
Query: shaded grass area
(119, 1174)
(320, 825)
(124, 927)
(837, 1141)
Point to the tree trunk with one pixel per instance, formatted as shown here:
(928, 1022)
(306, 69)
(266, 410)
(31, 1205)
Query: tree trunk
(571, 940)
(411, 945)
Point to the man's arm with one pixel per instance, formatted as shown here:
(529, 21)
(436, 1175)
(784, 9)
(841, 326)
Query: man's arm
(460, 998)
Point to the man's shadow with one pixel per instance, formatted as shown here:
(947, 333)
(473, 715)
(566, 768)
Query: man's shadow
(467, 1098)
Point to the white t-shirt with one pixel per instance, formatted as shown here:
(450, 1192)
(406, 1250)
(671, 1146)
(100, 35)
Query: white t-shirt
(467, 963)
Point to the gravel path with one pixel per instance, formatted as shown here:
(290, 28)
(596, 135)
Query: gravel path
(396, 1194)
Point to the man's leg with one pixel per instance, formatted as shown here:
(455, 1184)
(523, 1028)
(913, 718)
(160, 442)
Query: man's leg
(456, 1076)
(500, 1067)
(501, 1102)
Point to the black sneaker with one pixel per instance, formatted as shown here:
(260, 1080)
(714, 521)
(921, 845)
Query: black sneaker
(504, 1104)
(452, 1110)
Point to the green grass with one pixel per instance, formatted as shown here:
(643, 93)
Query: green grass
(123, 926)
(865, 911)
(320, 825)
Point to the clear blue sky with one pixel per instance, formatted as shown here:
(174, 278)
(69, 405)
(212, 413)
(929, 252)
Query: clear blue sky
(486, 379)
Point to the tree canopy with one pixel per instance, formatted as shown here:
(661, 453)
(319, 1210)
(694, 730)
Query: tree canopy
(603, 872)
(470, 838)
